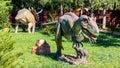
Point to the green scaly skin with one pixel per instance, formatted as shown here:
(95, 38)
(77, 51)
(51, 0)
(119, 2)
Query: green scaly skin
(77, 33)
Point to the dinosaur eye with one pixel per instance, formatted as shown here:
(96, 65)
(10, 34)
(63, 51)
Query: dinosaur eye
(84, 24)
(85, 20)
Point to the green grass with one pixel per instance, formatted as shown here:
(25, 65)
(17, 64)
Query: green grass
(104, 54)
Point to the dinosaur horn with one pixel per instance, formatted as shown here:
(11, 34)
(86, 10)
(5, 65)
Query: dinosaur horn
(39, 11)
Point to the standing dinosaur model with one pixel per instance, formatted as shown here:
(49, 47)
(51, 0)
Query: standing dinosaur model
(26, 17)
(75, 28)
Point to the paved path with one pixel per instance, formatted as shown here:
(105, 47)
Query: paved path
(116, 33)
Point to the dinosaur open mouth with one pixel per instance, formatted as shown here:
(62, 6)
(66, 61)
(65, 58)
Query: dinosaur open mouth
(94, 38)
(93, 35)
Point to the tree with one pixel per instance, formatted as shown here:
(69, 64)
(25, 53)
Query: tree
(4, 14)
(104, 15)
(52, 5)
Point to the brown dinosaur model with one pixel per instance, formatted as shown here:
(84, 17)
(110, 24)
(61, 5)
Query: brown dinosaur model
(26, 17)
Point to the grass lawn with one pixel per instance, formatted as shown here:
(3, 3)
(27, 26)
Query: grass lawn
(104, 54)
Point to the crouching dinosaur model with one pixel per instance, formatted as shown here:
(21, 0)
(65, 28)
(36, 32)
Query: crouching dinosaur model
(75, 28)
(26, 17)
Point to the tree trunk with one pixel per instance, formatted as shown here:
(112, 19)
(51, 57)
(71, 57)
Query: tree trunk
(61, 9)
(104, 19)
(92, 14)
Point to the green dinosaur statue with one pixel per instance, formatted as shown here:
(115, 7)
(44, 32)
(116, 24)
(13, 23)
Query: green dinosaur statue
(75, 28)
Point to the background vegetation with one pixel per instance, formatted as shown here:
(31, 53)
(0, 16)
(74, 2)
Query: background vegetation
(4, 14)
(68, 4)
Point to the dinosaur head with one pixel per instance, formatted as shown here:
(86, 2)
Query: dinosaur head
(22, 16)
(89, 28)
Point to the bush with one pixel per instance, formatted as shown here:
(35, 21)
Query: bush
(7, 56)
(48, 30)
(4, 14)
(6, 43)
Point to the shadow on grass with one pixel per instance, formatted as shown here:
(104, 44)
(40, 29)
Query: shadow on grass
(64, 58)
(108, 39)
(104, 39)
(51, 55)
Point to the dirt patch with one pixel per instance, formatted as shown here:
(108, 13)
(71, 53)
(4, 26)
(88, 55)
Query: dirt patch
(73, 60)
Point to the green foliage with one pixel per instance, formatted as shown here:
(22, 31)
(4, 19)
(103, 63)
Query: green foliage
(118, 7)
(48, 30)
(8, 58)
(52, 16)
(4, 14)
(6, 44)
(67, 4)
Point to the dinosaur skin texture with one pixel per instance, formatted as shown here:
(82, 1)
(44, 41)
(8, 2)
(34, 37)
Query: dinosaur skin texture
(76, 29)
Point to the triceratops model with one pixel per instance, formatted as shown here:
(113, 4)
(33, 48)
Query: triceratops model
(75, 28)
(26, 17)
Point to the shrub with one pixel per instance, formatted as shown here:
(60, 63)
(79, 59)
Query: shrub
(6, 43)
(4, 14)
(8, 58)
(48, 30)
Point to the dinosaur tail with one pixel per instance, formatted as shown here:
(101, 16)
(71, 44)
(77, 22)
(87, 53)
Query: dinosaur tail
(50, 23)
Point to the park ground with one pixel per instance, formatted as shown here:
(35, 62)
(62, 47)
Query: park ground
(103, 54)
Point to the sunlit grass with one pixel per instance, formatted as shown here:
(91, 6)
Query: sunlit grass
(103, 54)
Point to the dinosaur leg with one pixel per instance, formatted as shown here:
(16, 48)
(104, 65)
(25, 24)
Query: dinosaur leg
(78, 52)
(76, 46)
(58, 40)
(81, 53)
(59, 47)
(16, 27)
(29, 27)
(33, 28)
